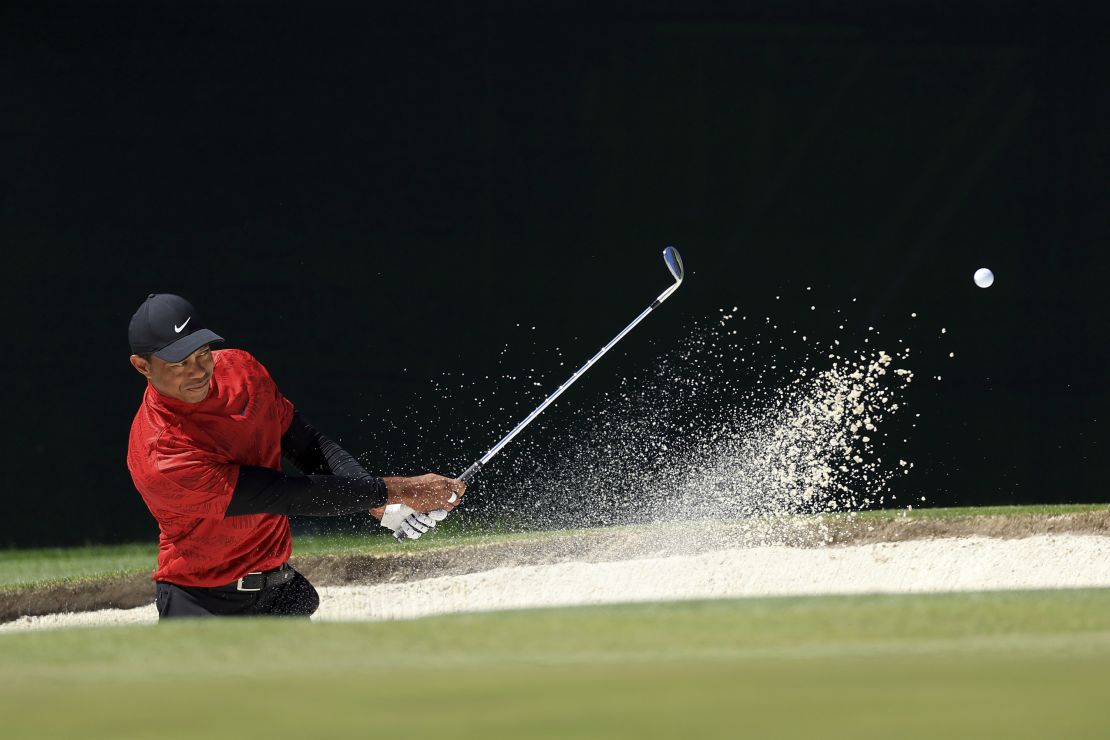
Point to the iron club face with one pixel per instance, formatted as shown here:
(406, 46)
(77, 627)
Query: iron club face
(674, 262)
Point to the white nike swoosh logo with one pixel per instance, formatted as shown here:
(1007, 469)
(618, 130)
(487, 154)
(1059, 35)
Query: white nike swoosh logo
(177, 329)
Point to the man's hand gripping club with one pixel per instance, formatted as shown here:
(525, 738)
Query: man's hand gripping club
(415, 505)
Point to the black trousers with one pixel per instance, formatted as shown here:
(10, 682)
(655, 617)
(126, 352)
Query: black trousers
(294, 598)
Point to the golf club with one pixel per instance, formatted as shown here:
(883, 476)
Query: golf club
(674, 263)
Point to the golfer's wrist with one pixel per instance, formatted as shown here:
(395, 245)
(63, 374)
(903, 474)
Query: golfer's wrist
(397, 490)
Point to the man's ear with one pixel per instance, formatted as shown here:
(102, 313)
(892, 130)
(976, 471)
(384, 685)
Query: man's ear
(141, 365)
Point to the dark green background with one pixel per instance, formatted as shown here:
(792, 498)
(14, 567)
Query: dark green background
(370, 197)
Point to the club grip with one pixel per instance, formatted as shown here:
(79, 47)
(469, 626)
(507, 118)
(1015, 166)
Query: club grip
(470, 472)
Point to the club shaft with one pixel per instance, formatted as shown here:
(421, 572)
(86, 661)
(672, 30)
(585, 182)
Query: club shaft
(473, 469)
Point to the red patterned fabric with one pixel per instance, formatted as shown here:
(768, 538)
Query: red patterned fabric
(184, 459)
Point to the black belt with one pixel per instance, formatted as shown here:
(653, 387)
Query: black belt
(260, 580)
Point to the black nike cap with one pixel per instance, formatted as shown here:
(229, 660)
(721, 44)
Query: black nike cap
(168, 327)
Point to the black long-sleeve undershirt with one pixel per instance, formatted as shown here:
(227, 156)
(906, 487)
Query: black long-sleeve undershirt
(334, 482)
(313, 453)
(266, 491)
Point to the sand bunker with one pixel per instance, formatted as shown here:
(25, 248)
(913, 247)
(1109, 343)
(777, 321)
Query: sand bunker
(914, 566)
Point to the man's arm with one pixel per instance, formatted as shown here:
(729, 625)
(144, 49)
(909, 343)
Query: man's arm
(313, 453)
(334, 482)
(264, 491)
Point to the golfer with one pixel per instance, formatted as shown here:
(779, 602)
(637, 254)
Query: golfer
(205, 454)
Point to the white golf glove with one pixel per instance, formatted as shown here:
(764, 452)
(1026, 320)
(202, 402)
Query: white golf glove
(416, 524)
(408, 524)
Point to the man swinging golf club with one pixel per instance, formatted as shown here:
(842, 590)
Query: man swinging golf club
(205, 453)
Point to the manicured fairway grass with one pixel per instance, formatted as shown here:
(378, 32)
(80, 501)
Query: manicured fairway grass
(20, 568)
(1009, 664)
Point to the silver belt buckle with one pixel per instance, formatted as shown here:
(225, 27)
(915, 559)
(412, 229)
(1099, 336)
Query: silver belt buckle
(239, 583)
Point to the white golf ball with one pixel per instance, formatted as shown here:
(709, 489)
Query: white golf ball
(984, 278)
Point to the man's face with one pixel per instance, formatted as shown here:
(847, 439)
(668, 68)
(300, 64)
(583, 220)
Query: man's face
(188, 380)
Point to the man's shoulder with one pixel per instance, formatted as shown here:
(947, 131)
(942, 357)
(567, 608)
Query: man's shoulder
(238, 363)
(153, 437)
(238, 357)
(148, 424)
(161, 453)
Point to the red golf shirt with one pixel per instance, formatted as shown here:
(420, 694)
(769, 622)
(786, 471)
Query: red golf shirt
(184, 459)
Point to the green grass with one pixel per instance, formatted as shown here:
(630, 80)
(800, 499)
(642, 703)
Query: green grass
(20, 569)
(1010, 664)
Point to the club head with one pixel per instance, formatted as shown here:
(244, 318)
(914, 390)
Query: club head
(674, 262)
